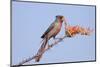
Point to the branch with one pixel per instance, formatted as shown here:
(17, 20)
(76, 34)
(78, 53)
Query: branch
(69, 32)
(33, 57)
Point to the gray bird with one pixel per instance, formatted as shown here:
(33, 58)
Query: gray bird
(52, 31)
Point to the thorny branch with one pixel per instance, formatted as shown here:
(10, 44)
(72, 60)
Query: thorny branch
(70, 31)
(33, 57)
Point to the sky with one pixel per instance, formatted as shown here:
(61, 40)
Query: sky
(29, 22)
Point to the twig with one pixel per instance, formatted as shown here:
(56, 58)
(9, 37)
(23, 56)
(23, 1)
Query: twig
(33, 57)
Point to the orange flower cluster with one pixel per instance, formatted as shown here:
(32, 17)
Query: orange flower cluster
(73, 30)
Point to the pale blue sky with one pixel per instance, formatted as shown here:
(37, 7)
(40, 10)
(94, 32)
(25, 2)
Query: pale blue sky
(29, 22)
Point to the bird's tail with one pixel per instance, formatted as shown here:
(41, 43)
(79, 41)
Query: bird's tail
(41, 50)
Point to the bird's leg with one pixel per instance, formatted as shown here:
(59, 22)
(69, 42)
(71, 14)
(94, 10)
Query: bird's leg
(55, 39)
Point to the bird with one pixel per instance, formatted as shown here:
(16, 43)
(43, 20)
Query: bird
(51, 32)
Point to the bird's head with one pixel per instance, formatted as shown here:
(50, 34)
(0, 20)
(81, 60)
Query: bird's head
(60, 18)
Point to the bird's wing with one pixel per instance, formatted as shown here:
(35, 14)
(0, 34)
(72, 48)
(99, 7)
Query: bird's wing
(48, 30)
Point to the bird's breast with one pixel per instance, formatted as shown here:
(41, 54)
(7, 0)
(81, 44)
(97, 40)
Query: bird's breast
(55, 30)
(57, 27)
